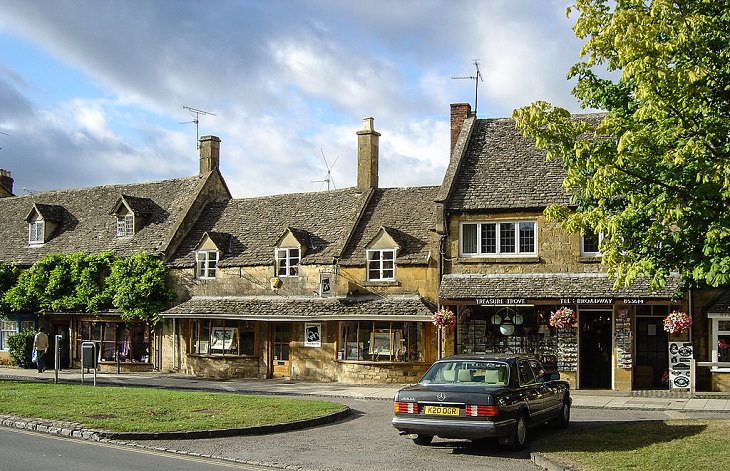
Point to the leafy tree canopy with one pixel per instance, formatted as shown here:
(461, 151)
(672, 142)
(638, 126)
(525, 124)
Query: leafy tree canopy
(652, 172)
(81, 282)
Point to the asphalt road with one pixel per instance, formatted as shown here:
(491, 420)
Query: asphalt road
(367, 441)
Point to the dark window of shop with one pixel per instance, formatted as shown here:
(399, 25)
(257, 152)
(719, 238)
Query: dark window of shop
(381, 341)
(117, 341)
(506, 329)
(221, 337)
(652, 355)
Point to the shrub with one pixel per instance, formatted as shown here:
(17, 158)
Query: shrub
(20, 346)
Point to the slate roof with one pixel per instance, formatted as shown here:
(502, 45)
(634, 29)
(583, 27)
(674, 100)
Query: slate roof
(85, 222)
(722, 305)
(503, 170)
(407, 214)
(273, 308)
(322, 219)
(546, 285)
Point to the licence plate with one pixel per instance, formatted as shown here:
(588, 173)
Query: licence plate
(440, 410)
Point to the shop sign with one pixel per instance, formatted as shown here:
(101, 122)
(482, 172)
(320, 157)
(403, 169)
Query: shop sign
(633, 301)
(586, 300)
(680, 357)
(500, 301)
(312, 335)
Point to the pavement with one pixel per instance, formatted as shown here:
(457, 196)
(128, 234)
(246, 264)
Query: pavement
(640, 400)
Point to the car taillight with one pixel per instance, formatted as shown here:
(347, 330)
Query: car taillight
(405, 407)
(481, 411)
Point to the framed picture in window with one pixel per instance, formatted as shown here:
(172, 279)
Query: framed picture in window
(223, 339)
(380, 343)
(312, 335)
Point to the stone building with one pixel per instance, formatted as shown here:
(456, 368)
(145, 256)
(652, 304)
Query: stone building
(327, 286)
(123, 219)
(506, 268)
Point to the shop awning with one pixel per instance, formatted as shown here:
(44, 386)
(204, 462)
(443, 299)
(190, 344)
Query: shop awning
(547, 286)
(280, 308)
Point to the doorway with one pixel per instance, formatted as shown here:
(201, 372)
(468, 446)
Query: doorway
(595, 349)
(652, 356)
(63, 346)
(280, 339)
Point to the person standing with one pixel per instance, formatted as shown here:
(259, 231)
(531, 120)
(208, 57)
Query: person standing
(40, 345)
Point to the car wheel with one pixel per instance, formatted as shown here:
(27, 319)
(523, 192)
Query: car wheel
(563, 419)
(519, 435)
(423, 440)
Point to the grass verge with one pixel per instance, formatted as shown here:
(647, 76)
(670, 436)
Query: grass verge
(667, 445)
(122, 409)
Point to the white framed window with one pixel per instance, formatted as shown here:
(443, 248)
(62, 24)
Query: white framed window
(125, 225)
(287, 262)
(7, 330)
(503, 238)
(380, 265)
(36, 231)
(206, 262)
(720, 339)
(590, 243)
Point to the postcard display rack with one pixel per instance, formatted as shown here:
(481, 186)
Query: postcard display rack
(624, 339)
(568, 349)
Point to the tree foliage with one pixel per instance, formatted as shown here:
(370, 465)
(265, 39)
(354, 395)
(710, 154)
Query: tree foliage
(652, 171)
(80, 282)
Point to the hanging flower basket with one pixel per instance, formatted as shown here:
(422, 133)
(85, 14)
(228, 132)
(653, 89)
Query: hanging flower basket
(563, 318)
(444, 317)
(677, 322)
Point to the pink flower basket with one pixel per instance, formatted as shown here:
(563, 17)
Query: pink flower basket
(677, 322)
(444, 317)
(563, 318)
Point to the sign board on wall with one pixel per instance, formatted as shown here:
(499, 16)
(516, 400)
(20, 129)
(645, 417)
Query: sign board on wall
(312, 335)
(680, 356)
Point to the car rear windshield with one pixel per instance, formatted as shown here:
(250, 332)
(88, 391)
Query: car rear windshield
(489, 373)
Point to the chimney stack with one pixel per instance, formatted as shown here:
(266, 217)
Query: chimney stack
(459, 113)
(6, 183)
(367, 156)
(210, 149)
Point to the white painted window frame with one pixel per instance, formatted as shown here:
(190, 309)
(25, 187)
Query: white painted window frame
(36, 232)
(290, 267)
(125, 225)
(715, 333)
(206, 266)
(584, 252)
(498, 253)
(380, 262)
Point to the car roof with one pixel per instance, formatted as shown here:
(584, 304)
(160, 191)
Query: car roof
(507, 357)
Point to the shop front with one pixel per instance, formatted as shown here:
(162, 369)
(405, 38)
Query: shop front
(359, 340)
(597, 340)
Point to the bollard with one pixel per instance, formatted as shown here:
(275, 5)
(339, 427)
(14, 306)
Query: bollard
(57, 357)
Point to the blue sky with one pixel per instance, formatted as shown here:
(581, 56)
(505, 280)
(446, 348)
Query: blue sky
(92, 92)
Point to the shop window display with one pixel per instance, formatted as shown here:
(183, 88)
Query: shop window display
(117, 341)
(381, 341)
(221, 337)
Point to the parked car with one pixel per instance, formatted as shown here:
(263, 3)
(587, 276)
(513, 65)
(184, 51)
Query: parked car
(482, 396)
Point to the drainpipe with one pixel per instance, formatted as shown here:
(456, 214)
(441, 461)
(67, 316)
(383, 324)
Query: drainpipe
(174, 349)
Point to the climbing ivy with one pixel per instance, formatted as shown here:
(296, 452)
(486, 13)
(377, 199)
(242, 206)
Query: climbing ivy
(80, 282)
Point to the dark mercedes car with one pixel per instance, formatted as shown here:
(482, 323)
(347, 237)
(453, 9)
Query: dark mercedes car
(482, 396)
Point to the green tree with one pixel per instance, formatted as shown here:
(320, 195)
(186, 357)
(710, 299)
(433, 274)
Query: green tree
(138, 287)
(651, 173)
(8, 278)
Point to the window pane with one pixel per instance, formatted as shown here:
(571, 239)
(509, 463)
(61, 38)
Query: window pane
(723, 348)
(527, 237)
(489, 238)
(469, 238)
(590, 243)
(507, 237)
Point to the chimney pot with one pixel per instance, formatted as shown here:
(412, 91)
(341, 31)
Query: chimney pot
(459, 113)
(210, 147)
(368, 142)
(6, 183)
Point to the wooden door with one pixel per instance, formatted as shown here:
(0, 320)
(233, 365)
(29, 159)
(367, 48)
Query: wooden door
(280, 339)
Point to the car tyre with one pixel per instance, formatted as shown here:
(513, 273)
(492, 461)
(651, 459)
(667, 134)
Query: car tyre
(563, 420)
(518, 438)
(423, 440)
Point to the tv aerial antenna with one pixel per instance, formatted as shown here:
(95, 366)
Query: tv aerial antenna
(328, 178)
(477, 77)
(196, 119)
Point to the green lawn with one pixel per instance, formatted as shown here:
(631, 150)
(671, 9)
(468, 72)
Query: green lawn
(151, 409)
(670, 445)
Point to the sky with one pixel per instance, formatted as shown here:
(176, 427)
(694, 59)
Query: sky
(94, 92)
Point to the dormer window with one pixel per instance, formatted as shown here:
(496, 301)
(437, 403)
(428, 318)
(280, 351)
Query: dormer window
(287, 261)
(36, 231)
(381, 264)
(125, 225)
(206, 262)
